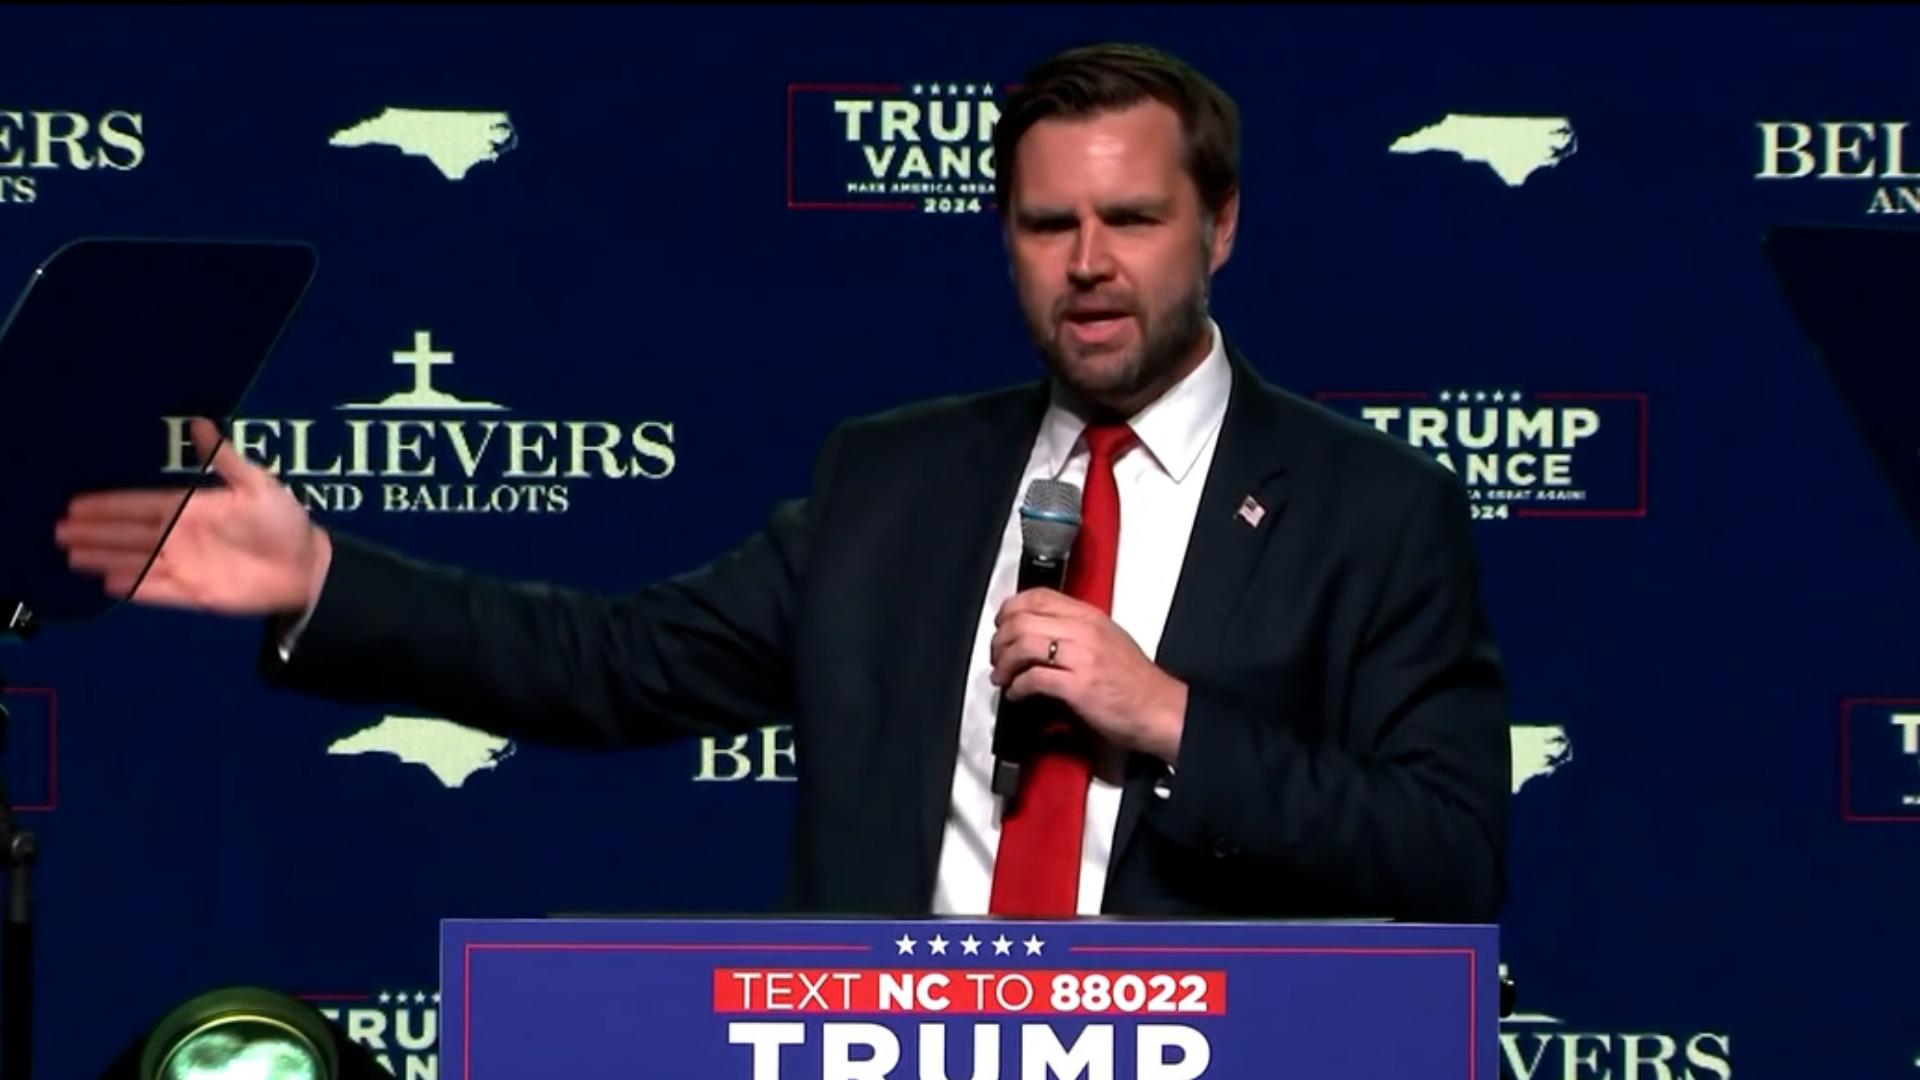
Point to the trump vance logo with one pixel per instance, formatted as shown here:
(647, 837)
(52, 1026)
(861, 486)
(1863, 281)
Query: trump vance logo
(925, 146)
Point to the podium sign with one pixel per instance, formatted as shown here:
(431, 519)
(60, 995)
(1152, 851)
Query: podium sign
(959, 999)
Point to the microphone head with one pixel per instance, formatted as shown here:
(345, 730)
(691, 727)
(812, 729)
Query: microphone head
(1050, 518)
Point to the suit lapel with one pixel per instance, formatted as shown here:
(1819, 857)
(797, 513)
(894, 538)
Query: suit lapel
(1229, 537)
(957, 548)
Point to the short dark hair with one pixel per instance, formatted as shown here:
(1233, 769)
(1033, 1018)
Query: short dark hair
(1092, 79)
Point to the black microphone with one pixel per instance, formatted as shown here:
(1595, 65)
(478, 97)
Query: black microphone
(1049, 521)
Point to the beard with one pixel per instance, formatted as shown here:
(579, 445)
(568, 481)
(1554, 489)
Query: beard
(1118, 380)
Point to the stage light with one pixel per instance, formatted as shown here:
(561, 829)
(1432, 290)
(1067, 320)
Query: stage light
(244, 1033)
(240, 1033)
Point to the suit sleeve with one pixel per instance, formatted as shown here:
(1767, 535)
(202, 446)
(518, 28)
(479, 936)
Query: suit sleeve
(1406, 816)
(702, 653)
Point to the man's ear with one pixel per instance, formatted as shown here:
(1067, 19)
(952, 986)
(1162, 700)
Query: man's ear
(1221, 230)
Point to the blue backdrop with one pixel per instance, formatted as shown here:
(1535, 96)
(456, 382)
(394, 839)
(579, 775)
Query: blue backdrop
(662, 227)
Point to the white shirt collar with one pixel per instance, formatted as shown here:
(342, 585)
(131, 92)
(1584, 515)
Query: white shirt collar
(1174, 427)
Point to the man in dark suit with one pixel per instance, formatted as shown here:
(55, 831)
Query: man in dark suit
(1278, 695)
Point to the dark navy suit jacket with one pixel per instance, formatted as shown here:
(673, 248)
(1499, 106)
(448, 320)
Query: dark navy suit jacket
(1345, 752)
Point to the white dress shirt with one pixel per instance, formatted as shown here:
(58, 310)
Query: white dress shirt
(1160, 480)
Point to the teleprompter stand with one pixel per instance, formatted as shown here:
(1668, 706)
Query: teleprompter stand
(17, 850)
(136, 335)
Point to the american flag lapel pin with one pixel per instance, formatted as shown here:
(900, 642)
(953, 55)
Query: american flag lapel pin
(1251, 512)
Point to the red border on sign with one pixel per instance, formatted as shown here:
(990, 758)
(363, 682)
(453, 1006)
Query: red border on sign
(1637, 511)
(466, 968)
(833, 88)
(1847, 705)
(1473, 969)
(466, 971)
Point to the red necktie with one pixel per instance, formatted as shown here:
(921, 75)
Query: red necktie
(1037, 869)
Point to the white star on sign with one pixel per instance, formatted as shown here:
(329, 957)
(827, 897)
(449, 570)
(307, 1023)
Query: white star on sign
(1001, 945)
(420, 998)
(1034, 945)
(919, 89)
(906, 945)
(1498, 397)
(1480, 395)
(938, 945)
(1445, 396)
(971, 946)
(1514, 396)
(385, 997)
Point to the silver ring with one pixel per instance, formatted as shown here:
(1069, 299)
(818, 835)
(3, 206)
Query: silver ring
(1053, 651)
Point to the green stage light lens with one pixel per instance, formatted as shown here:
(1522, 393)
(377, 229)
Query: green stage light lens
(241, 1033)
(250, 1048)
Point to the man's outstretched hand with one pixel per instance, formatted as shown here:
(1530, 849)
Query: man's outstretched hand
(248, 548)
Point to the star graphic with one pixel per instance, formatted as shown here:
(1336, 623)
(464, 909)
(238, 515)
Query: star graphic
(971, 946)
(970, 89)
(939, 945)
(420, 998)
(1445, 396)
(385, 998)
(934, 89)
(953, 88)
(1001, 945)
(1514, 396)
(1462, 395)
(906, 945)
(1498, 397)
(436, 997)
(1034, 945)
(919, 88)
(1480, 395)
